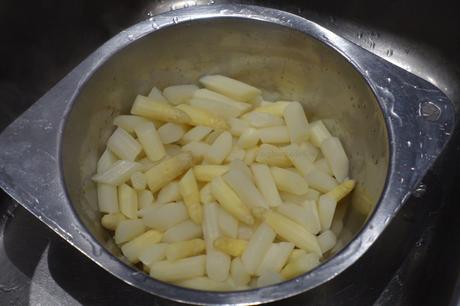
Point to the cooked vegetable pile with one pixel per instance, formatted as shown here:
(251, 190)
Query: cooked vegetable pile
(215, 188)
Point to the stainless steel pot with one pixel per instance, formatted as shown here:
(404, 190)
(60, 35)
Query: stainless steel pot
(393, 125)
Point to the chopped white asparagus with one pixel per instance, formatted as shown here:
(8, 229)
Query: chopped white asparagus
(235, 154)
(272, 155)
(217, 262)
(198, 150)
(128, 229)
(196, 133)
(106, 160)
(127, 198)
(213, 136)
(217, 97)
(169, 169)
(111, 221)
(156, 96)
(238, 272)
(262, 120)
(299, 158)
(258, 246)
(202, 117)
(228, 225)
(230, 87)
(153, 253)
(313, 221)
(327, 240)
(206, 194)
(169, 193)
(269, 278)
(171, 132)
(245, 232)
(250, 155)
(336, 157)
(128, 122)
(135, 247)
(292, 232)
(150, 139)
(182, 249)
(308, 218)
(145, 198)
(276, 108)
(149, 108)
(320, 181)
(296, 122)
(138, 180)
(318, 133)
(118, 173)
(166, 216)
(220, 148)
(275, 258)
(107, 198)
(190, 193)
(124, 145)
(302, 264)
(178, 94)
(274, 134)
(248, 139)
(237, 126)
(205, 173)
(230, 201)
(323, 165)
(245, 188)
(310, 150)
(231, 246)
(289, 181)
(180, 269)
(326, 210)
(185, 230)
(215, 107)
(147, 163)
(239, 165)
(266, 184)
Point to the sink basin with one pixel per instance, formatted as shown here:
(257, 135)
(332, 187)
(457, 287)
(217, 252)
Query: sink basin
(57, 273)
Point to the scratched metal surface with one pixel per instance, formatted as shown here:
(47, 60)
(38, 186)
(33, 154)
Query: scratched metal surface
(416, 259)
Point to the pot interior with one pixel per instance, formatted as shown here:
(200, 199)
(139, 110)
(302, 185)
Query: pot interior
(287, 64)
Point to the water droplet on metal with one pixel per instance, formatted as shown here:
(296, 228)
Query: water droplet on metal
(429, 111)
(389, 80)
(131, 37)
(360, 35)
(389, 52)
(419, 191)
(150, 14)
(175, 19)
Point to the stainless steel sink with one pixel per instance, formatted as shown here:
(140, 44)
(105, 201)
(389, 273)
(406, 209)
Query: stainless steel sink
(415, 261)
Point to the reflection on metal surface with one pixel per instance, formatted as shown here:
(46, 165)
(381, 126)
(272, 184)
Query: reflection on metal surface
(401, 118)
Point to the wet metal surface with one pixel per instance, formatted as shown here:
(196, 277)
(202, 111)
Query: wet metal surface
(42, 269)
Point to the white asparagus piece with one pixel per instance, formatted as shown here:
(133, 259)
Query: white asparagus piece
(205, 173)
(190, 193)
(217, 262)
(171, 132)
(289, 181)
(245, 189)
(336, 157)
(206, 194)
(299, 158)
(106, 160)
(218, 108)
(272, 155)
(266, 184)
(275, 258)
(239, 165)
(235, 154)
(238, 272)
(320, 181)
(228, 225)
(128, 122)
(128, 229)
(107, 198)
(135, 247)
(212, 95)
(250, 155)
(313, 221)
(111, 221)
(145, 198)
(318, 133)
(178, 94)
(198, 149)
(302, 264)
(127, 198)
(323, 165)
(185, 230)
(166, 216)
(257, 247)
(245, 232)
(296, 122)
(276, 108)
(169, 193)
(182, 249)
(156, 96)
(274, 134)
(237, 126)
(150, 139)
(230, 87)
(196, 133)
(153, 253)
(310, 150)
(262, 120)
(269, 278)
(202, 117)
(301, 215)
(185, 268)
(149, 108)
(118, 173)
(327, 240)
(326, 210)
(124, 145)
(220, 148)
(138, 180)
